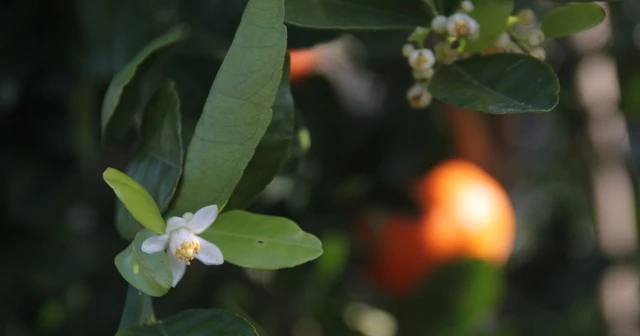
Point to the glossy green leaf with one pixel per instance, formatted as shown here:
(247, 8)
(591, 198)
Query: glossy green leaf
(196, 322)
(123, 94)
(157, 164)
(356, 14)
(455, 299)
(567, 20)
(272, 151)
(503, 83)
(149, 273)
(238, 109)
(492, 16)
(138, 309)
(136, 199)
(262, 242)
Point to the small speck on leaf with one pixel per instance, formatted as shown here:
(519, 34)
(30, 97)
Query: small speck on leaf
(260, 242)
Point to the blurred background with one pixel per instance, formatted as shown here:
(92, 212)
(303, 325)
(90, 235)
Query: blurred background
(571, 175)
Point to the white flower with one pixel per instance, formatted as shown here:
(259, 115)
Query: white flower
(539, 53)
(466, 6)
(439, 24)
(445, 54)
(182, 244)
(422, 59)
(526, 17)
(536, 36)
(462, 25)
(422, 75)
(504, 40)
(407, 49)
(418, 96)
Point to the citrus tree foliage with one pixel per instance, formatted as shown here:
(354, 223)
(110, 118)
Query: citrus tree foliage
(183, 194)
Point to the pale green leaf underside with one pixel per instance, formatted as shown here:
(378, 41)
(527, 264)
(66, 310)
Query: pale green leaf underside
(149, 273)
(571, 19)
(492, 16)
(262, 242)
(136, 199)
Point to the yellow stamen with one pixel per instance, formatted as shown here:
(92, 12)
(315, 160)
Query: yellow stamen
(188, 251)
(462, 28)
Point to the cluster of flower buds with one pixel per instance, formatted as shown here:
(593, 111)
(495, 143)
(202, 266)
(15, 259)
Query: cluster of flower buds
(522, 36)
(455, 29)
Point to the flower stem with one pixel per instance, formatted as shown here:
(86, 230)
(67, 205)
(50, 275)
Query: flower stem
(138, 309)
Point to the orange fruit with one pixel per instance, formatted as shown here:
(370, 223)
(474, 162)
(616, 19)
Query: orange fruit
(465, 213)
(398, 262)
(468, 213)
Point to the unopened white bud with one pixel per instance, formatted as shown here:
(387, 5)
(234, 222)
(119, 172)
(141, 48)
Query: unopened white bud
(407, 49)
(526, 17)
(466, 6)
(539, 53)
(423, 75)
(462, 25)
(419, 97)
(439, 24)
(444, 53)
(504, 40)
(422, 59)
(536, 36)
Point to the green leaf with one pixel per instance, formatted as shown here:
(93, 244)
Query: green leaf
(492, 16)
(136, 199)
(567, 20)
(149, 273)
(196, 322)
(356, 14)
(237, 111)
(587, 0)
(272, 151)
(158, 163)
(503, 83)
(262, 242)
(138, 309)
(455, 299)
(123, 94)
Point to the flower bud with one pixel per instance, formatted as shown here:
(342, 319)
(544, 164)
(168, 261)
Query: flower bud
(419, 97)
(423, 75)
(407, 49)
(462, 25)
(536, 36)
(526, 17)
(422, 59)
(466, 6)
(439, 24)
(539, 53)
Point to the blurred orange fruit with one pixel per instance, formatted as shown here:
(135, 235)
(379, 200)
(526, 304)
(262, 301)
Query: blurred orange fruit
(466, 213)
(304, 63)
(399, 260)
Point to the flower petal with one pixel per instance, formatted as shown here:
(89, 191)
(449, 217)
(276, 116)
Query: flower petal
(202, 219)
(175, 223)
(177, 268)
(155, 244)
(209, 253)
